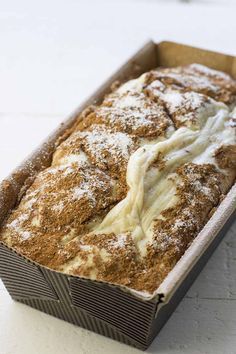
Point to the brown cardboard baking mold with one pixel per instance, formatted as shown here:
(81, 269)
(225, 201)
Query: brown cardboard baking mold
(107, 309)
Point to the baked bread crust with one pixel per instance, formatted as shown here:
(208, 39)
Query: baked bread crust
(135, 181)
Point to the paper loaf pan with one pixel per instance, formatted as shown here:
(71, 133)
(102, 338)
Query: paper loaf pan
(110, 310)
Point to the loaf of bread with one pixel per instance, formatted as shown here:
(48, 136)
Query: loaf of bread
(135, 181)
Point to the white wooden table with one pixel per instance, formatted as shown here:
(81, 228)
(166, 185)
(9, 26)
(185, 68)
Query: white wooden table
(53, 54)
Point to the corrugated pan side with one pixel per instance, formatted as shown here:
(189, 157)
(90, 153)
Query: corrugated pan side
(82, 319)
(100, 307)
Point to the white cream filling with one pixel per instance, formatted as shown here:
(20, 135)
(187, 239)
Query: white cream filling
(133, 85)
(153, 190)
(72, 158)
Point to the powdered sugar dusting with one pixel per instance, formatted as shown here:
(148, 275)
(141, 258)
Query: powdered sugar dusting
(58, 207)
(25, 235)
(101, 139)
(133, 110)
(83, 190)
(119, 242)
(203, 189)
(209, 72)
(186, 79)
(191, 100)
(16, 226)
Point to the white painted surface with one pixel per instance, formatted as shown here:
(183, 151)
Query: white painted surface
(53, 54)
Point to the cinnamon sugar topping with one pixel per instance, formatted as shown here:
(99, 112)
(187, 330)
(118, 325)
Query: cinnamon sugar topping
(134, 181)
